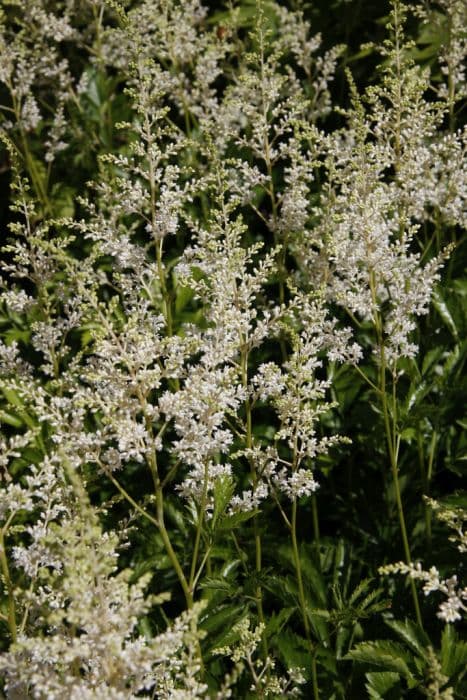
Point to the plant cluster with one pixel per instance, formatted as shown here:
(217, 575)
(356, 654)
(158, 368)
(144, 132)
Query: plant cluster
(232, 337)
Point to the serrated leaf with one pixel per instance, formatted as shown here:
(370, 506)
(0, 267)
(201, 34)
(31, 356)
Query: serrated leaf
(416, 393)
(430, 358)
(389, 655)
(294, 651)
(223, 492)
(219, 584)
(311, 576)
(453, 652)
(412, 635)
(380, 682)
(174, 514)
(230, 522)
(221, 626)
(361, 589)
(231, 614)
(277, 621)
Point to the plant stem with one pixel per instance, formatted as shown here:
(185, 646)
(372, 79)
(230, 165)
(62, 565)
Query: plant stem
(392, 439)
(199, 528)
(254, 477)
(9, 587)
(170, 550)
(429, 474)
(301, 596)
(314, 511)
(393, 449)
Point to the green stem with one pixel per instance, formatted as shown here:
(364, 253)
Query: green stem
(9, 587)
(391, 439)
(160, 524)
(199, 527)
(170, 550)
(176, 565)
(254, 478)
(40, 190)
(130, 500)
(429, 475)
(301, 596)
(314, 511)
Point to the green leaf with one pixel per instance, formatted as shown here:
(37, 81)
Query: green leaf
(176, 516)
(231, 614)
(277, 621)
(431, 357)
(63, 199)
(294, 651)
(223, 492)
(230, 522)
(220, 625)
(311, 576)
(389, 655)
(453, 652)
(360, 590)
(416, 394)
(411, 634)
(380, 682)
(220, 585)
(11, 419)
(443, 310)
(319, 622)
(15, 400)
(183, 297)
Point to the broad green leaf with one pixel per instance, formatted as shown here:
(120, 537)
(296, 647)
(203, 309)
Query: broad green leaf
(453, 652)
(11, 419)
(430, 358)
(183, 297)
(223, 492)
(63, 199)
(319, 622)
(230, 522)
(417, 393)
(176, 516)
(443, 310)
(212, 621)
(380, 682)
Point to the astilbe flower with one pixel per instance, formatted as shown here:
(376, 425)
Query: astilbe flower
(455, 606)
(266, 112)
(119, 383)
(265, 680)
(361, 251)
(189, 55)
(300, 398)
(449, 19)
(36, 74)
(77, 634)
